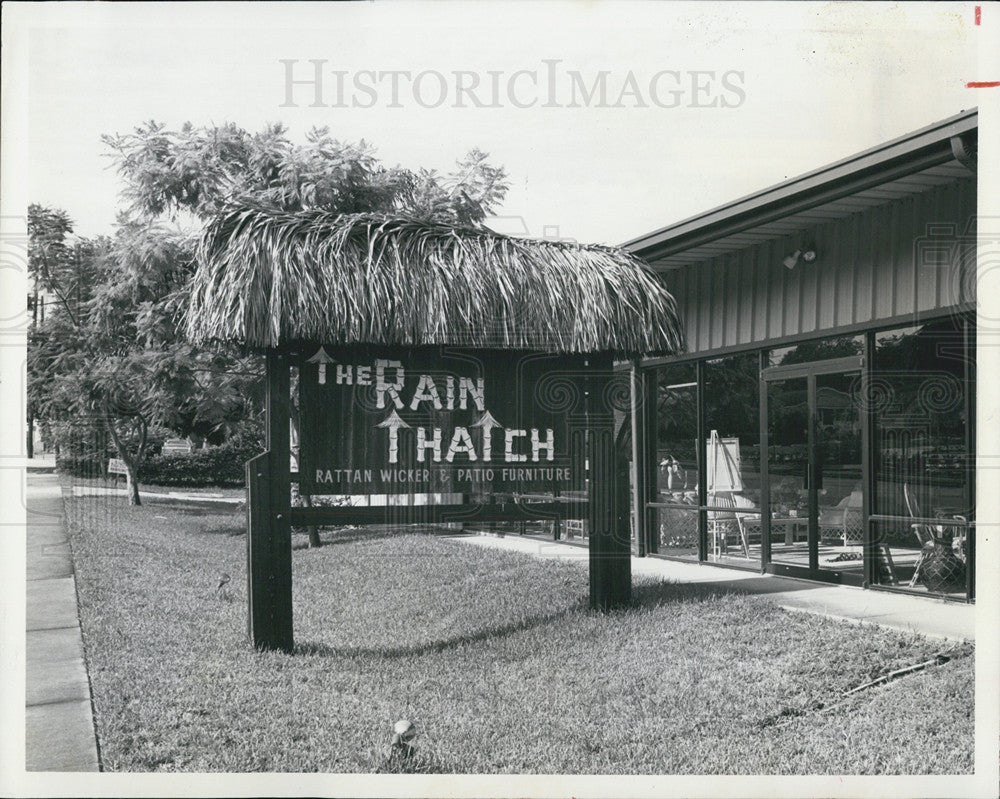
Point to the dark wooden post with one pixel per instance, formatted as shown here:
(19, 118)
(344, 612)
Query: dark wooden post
(258, 533)
(870, 545)
(701, 460)
(765, 479)
(607, 490)
(640, 444)
(269, 535)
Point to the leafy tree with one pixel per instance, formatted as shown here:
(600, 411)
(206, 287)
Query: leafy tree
(64, 273)
(108, 354)
(202, 171)
(114, 351)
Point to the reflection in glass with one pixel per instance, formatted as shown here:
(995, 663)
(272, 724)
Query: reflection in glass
(732, 457)
(787, 464)
(676, 459)
(921, 454)
(838, 461)
(818, 350)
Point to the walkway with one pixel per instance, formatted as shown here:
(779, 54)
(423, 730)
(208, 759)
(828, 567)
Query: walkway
(59, 723)
(925, 615)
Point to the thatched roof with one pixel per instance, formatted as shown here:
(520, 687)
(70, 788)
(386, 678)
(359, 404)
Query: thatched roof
(266, 279)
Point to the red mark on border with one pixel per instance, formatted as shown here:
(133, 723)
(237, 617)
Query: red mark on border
(982, 84)
(979, 15)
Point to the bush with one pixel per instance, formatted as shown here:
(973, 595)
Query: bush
(211, 466)
(86, 454)
(85, 449)
(79, 466)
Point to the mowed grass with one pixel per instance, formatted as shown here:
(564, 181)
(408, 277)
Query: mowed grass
(494, 656)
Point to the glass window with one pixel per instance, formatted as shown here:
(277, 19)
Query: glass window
(676, 459)
(923, 465)
(732, 456)
(677, 529)
(818, 350)
(676, 418)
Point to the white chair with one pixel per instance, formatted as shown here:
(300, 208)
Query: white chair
(924, 532)
(722, 522)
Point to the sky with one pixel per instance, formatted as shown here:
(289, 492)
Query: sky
(723, 99)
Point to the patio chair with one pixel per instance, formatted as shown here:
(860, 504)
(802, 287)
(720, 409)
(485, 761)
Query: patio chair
(942, 561)
(721, 522)
(843, 521)
(924, 532)
(853, 525)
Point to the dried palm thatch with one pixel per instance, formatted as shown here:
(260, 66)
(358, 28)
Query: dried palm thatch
(265, 279)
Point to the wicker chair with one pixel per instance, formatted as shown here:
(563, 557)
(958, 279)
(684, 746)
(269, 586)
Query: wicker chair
(924, 532)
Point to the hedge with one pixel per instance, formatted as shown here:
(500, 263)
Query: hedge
(220, 466)
(211, 466)
(78, 466)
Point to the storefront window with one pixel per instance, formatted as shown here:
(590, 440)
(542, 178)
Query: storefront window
(732, 457)
(676, 460)
(818, 350)
(923, 463)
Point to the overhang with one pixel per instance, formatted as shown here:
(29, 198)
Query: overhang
(932, 156)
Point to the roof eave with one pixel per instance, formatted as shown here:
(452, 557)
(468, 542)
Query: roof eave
(922, 149)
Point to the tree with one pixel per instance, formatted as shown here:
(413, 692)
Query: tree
(108, 355)
(115, 351)
(63, 273)
(203, 171)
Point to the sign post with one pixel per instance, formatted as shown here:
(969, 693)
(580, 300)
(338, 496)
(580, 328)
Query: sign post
(269, 533)
(610, 548)
(500, 427)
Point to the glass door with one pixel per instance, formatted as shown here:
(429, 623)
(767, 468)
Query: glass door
(839, 479)
(814, 481)
(787, 470)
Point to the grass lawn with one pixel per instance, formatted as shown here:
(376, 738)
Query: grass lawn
(493, 655)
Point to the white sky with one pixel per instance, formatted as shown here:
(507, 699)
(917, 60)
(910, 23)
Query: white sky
(821, 82)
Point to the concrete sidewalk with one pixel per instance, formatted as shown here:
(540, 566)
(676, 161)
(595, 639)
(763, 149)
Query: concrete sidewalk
(59, 722)
(159, 496)
(926, 615)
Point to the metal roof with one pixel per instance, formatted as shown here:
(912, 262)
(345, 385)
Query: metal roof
(899, 168)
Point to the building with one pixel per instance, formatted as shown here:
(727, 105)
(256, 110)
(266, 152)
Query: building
(821, 423)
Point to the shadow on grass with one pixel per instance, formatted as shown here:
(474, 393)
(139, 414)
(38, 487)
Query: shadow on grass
(232, 527)
(192, 507)
(391, 653)
(644, 596)
(652, 594)
(338, 536)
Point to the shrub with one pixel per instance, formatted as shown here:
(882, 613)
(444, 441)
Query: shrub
(212, 466)
(85, 448)
(86, 452)
(79, 465)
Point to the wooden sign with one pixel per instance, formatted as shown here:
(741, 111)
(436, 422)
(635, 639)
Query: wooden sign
(439, 420)
(526, 421)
